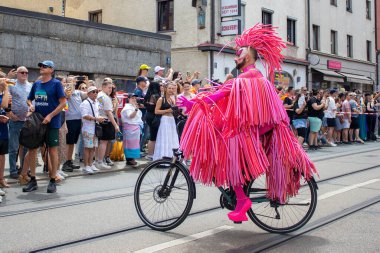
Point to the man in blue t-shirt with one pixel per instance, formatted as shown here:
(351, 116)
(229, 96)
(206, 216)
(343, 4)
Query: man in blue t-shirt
(49, 99)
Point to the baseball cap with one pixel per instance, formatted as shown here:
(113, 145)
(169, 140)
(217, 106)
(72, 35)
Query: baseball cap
(140, 79)
(195, 81)
(132, 95)
(158, 68)
(91, 88)
(144, 66)
(333, 90)
(47, 63)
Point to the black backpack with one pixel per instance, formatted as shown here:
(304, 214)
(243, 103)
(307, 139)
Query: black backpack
(33, 132)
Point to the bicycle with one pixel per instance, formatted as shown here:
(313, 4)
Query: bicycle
(165, 191)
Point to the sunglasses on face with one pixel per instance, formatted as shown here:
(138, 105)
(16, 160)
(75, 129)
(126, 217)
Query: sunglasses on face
(44, 66)
(94, 91)
(239, 52)
(23, 72)
(83, 88)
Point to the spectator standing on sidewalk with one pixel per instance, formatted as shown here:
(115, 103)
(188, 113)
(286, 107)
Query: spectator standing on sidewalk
(4, 99)
(89, 110)
(314, 108)
(159, 74)
(143, 71)
(110, 126)
(150, 101)
(73, 122)
(330, 115)
(346, 109)
(131, 116)
(355, 127)
(49, 99)
(17, 116)
(139, 92)
(371, 116)
(300, 119)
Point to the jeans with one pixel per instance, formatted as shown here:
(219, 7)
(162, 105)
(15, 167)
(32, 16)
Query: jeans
(14, 134)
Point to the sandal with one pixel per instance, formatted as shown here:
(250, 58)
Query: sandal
(3, 183)
(23, 179)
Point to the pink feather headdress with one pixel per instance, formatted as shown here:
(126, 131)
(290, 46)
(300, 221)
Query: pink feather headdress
(264, 39)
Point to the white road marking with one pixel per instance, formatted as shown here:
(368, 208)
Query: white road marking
(346, 189)
(342, 190)
(184, 240)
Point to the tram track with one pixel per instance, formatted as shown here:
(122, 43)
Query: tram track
(262, 246)
(123, 195)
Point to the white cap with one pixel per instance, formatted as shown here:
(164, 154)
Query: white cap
(158, 68)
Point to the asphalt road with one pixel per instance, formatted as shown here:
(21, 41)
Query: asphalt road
(97, 214)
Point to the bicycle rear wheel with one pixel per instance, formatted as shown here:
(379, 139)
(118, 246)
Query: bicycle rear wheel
(279, 218)
(164, 207)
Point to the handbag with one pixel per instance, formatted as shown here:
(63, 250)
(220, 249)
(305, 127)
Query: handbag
(98, 127)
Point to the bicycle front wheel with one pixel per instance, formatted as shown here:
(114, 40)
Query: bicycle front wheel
(164, 195)
(274, 217)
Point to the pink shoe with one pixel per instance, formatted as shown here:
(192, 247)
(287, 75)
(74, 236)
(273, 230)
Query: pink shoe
(240, 215)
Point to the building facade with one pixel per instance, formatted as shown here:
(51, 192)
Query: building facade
(342, 45)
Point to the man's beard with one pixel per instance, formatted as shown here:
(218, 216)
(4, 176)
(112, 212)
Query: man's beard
(241, 64)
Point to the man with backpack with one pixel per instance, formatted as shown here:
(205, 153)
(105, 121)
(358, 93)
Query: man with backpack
(49, 99)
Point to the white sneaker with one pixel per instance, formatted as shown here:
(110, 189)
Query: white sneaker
(1, 199)
(87, 170)
(103, 166)
(60, 176)
(93, 167)
(332, 144)
(2, 193)
(62, 173)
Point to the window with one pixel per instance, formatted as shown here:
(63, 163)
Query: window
(333, 2)
(333, 42)
(349, 46)
(368, 9)
(95, 16)
(316, 37)
(349, 5)
(291, 32)
(369, 50)
(267, 17)
(165, 15)
(242, 17)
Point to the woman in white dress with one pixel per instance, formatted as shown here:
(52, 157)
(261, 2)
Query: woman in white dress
(167, 137)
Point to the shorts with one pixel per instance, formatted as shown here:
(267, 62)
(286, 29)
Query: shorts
(108, 132)
(73, 128)
(324, 122)
(315, 124)
(354, 123)
(4, 144)
(53, 137)
(301, 132)
(89, 140)
(331, 122)
(346, 124)
(338, 125)
(300, 123)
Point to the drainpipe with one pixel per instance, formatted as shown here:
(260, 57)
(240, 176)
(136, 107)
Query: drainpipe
(212, 37)
(308, 86)
(376, 50)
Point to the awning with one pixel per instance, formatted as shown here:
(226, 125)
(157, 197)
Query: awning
(357, 78)
(329, 75)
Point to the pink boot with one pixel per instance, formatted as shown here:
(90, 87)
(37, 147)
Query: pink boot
(242, 206)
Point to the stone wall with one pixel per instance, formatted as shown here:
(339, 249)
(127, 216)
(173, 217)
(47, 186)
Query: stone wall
(27, 38)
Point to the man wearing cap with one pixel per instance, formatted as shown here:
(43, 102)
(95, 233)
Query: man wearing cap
(49, 99)
(196, 83)
(89, 110)
(354, 126)
(159, 74)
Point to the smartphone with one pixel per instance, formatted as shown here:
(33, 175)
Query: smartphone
(188, 73)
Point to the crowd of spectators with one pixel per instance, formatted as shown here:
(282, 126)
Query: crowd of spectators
(88, 118)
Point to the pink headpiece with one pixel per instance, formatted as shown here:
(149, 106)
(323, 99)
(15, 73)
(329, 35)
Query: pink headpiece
(267, 43)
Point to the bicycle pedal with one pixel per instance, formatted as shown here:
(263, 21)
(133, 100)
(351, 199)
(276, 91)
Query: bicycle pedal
(238, 222)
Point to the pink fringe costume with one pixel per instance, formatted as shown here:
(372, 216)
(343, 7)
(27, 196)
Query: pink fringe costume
(241, 130)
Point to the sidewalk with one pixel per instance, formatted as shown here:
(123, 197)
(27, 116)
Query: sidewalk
(40, 175)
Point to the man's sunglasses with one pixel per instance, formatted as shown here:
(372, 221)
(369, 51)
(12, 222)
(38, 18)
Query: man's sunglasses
(44, 66)
(23, 73)
(94, 91)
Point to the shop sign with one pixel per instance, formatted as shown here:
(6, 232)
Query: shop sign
(231, 27)
(230, 8)
(336, 65)
(283, 79)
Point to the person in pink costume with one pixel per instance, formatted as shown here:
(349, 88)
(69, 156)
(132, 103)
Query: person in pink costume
(240, 130)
